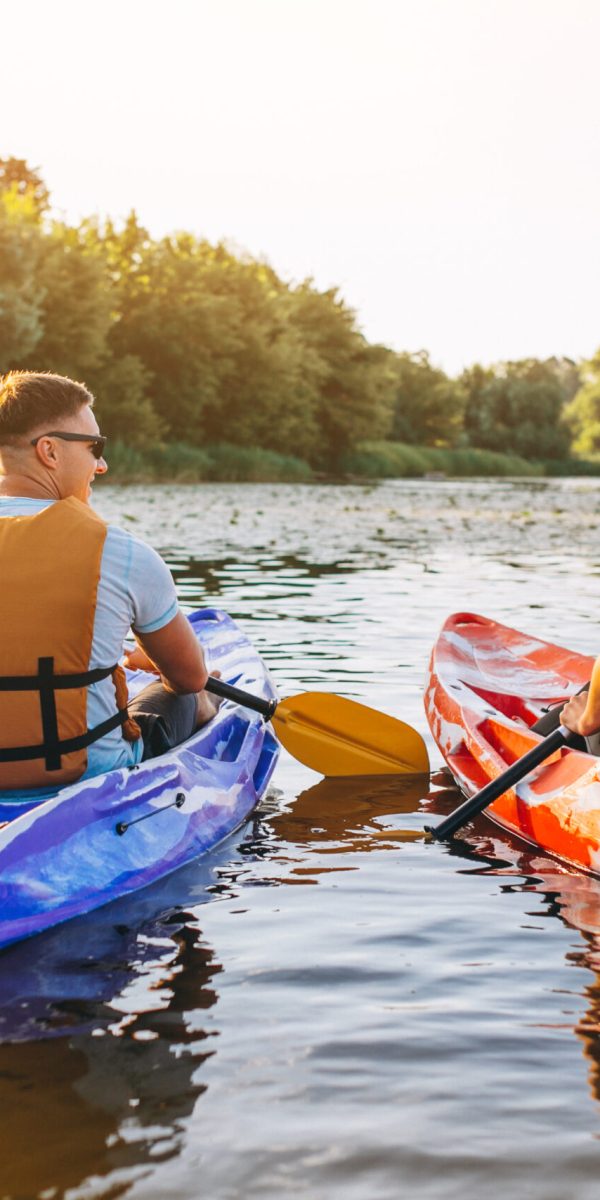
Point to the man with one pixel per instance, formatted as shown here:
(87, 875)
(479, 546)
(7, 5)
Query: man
(71, 588)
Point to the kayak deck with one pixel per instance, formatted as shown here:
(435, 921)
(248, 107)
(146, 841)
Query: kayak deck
(111, 835)
(487, 685)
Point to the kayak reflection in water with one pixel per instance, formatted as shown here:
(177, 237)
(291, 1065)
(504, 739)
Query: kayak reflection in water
(568, 895)
(92, 583)
(107, 1084)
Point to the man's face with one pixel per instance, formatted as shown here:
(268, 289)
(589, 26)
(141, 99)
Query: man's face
(73, 465)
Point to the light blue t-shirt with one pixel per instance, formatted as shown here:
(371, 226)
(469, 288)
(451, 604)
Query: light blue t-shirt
(135, 591)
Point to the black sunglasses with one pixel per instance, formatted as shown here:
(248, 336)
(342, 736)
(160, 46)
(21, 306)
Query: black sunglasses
(96, 444)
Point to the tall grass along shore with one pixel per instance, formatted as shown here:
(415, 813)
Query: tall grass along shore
(177, 462)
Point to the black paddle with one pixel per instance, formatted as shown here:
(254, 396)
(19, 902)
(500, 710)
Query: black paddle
(497, 787)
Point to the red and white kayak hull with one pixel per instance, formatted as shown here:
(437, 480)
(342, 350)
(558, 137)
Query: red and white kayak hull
(487, 684)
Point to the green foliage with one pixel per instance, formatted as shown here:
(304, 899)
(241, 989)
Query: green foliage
(583, 413)
(237, 463)
(76, 309)
(21, 292)
(181, 463)
(126, 464)
(471, 461)
(428, 406)
(386, 460)
(121, 387)
(175, 328)
(21, 180)
(348, 383)
(517, 408)
(393, 460)
(198, 355)
(567, 373)
(572, 466)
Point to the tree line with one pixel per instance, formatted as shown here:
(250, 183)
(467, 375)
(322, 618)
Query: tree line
(184, 341)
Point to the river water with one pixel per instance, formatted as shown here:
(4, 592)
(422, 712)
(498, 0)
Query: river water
(317, 1010)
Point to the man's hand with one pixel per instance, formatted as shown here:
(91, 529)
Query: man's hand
(137, 660)
(577, 717)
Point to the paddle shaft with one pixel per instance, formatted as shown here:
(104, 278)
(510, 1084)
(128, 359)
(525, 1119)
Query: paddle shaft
(227, 692)
(498, 786)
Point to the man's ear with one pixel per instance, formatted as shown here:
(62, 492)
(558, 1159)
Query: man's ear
(46, 453)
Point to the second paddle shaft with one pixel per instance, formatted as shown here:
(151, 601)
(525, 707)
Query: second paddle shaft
(498, 786)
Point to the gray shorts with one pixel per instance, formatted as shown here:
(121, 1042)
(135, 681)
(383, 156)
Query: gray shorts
(165, 720)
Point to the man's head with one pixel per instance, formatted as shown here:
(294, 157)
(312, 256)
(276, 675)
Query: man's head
(35, 408)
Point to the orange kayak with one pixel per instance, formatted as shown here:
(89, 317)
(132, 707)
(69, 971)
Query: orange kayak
(487, 685)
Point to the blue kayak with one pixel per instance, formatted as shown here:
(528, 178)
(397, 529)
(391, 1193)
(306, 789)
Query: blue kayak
(106, 837)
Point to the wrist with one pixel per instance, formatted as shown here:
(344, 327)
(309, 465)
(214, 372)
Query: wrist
(587, 725)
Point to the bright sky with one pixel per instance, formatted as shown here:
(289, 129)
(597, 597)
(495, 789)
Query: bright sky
(439, 160)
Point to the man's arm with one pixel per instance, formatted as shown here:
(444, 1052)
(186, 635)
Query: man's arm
(176, 654)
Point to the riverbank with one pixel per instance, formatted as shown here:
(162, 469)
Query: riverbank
(181, 463)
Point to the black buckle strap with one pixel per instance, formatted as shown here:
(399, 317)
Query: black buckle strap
(67, 746)
(49, 714)
(31, 683)
(47, 684)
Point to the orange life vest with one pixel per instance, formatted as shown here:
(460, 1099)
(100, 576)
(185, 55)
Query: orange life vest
(49, 574)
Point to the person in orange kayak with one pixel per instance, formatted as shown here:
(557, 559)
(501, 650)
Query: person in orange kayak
(72, 589)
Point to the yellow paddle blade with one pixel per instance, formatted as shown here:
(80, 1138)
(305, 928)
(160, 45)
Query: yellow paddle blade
(340, 737)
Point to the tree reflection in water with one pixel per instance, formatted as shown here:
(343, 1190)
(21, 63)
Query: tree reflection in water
(567, 893)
